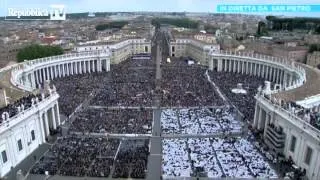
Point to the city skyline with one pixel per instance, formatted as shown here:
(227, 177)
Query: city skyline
(206, 6)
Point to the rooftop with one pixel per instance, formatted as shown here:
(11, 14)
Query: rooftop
(310, 88)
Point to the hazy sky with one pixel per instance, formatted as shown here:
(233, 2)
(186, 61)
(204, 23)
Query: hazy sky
(145, 5)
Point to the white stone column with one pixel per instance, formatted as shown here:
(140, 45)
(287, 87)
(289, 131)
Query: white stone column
(57, 113)
(290, 80)
(89, 66)
(259, 70)
(55, 74)
(46, 123)
(260, 118)
(68, 69)
(72, 68)
(285, 79)
(234, 66)
(76, 67)
(225, 64)
(42, 129)
(100, 65)
(219, 68)
(37, 77)
(243, 67)
(63, 70)
(58, 71)
(268, 117)
(210, 64)
(33, 80)
(108, 64)
(256, 116)
(84, 66)
(263, 70)
(239, 66)
(80, 67)
(270, 73)
(93, 66)
(230, 65)
(54, 123)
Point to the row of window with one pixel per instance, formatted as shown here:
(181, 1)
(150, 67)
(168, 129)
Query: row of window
(309, 151)
(20, 147)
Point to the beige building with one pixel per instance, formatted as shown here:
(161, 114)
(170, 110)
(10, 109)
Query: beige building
(298, 53)
(290, 50)
(196, 46)
(314, 59)
(120, 49)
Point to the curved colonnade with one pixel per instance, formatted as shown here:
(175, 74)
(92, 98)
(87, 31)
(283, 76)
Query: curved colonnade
(282, 130)
(32, 73)
(287, 74)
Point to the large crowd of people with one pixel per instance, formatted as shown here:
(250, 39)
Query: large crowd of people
(95, 157)
(120, 121)
(132, 159)
(73, 90)
(118, 102)
(130, 84)
(226, 81)
(187, 86)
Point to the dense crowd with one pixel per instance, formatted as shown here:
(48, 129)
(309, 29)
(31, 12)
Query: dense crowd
(73, 90)
(95, 157)
(130, 84)
(132, 159)
(244, 102)
(23, 103)
(187, 86)
(120, 121)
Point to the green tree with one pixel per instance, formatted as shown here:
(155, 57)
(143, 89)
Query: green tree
(113, 24)
(262, 29)
(35, 51)
(179, 22)
(314, 47)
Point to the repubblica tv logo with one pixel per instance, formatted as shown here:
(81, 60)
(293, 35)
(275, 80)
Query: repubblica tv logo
(54, 12)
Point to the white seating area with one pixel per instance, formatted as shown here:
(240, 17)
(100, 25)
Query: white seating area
(175, 160)
(254, 159)
(203, 156)
(199, 121)
(236, 158)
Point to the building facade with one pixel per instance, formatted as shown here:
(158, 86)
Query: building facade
(195, 49)
(314, 59)
(121, 50)
(21, 134)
